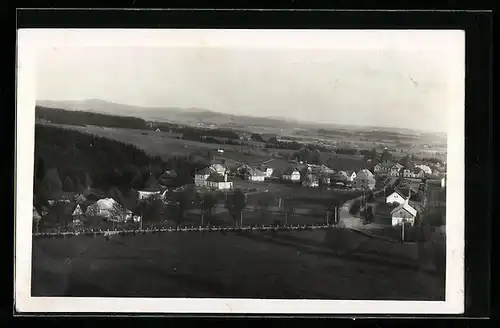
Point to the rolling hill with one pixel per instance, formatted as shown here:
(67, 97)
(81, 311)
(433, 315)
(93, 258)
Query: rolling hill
(188, 116)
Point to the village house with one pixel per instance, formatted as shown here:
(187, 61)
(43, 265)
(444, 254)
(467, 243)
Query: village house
(219, 182)
(255, 175)
(383, 168)
(396, 197)
(427, 170)
(291, 174)
(403, 213)
(219, 169)
(364, 180)
(77, 216)
(109, 209)
(395, 170)
(200, 177)
(418, 173)
(268, 170)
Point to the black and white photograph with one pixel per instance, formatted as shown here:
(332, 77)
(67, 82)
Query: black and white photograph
(240, 171)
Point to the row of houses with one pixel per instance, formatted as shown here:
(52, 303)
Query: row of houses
(419, 171)
(312, 177)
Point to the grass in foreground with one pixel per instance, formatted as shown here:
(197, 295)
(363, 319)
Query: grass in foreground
(328, 264)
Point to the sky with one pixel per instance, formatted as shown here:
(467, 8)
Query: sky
(414, 83)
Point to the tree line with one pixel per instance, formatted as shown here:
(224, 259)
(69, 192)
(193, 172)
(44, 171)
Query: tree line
(62, 116)
(75, 160)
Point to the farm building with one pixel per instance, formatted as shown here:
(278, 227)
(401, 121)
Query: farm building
(396, 197)
(291, 174)
(110, 209)
(364, 180)
(219, 182)
(403, 213)
(158, 130)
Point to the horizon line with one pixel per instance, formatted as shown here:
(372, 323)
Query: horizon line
(277, 118)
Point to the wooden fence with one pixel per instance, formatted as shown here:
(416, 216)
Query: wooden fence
(91, 232)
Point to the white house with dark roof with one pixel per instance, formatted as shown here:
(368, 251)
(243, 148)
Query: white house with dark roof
(396, 197)
(291, 174)
(255, 175)
(403, 213)
(219, 182)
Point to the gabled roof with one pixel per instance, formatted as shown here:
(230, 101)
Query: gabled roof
(77, 211)
(218, 167)
(256, 172)
(399, 192)
(405, 206)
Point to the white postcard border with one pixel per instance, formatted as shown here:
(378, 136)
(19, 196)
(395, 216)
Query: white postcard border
(30, 39)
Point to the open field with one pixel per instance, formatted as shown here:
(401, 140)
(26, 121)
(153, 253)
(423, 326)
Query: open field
(165, 144)
(328, 264)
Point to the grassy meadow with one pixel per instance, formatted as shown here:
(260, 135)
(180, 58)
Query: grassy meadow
(316, 264)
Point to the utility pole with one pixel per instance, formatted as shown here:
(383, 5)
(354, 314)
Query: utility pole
(403, 231)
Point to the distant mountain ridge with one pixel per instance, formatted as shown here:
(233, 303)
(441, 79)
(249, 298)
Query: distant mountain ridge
(192, 116)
